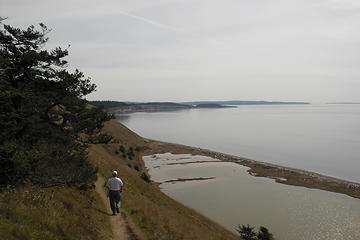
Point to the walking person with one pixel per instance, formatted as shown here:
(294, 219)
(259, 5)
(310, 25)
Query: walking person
(115, 186)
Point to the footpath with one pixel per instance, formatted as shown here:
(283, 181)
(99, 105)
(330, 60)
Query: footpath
(123, 228)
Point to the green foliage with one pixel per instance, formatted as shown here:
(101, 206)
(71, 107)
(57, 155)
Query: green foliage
(108, 104)
(45, 123)
(145, 177)
(131, 153)
(264, 234)
(248, 233)
(122, 149)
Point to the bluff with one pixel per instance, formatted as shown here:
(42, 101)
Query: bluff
(156, 214)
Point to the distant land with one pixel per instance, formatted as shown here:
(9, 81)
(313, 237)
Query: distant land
(343, 103)
(126, 107)
(236, 102)
(129, 107)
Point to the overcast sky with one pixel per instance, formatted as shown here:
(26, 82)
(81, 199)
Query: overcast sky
(182, 50)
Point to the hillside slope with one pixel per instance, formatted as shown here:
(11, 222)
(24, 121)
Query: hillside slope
(32, 212)
(159, 216)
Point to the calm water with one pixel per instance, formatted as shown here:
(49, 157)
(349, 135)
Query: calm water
(234, 197)
(317, 137)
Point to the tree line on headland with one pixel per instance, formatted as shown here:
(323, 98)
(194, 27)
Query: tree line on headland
(129, 107)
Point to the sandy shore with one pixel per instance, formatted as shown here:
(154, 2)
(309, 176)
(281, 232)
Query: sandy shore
(283, 175)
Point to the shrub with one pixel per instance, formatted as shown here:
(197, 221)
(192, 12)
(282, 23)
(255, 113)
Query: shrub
(145, 177)
(248, 233)
(122, 149)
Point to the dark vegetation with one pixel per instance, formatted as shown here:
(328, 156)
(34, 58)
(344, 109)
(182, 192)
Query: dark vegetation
(108, 104)
(121, 107)
(45, 126)
(45, 122)
(248, 233)
(127, 107)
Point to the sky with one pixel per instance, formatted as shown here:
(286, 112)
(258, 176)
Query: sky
(187, 50)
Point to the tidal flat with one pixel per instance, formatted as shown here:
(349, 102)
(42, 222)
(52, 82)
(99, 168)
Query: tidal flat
(225, 192)
(283, 175)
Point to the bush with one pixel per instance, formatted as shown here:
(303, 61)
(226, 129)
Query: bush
(122, 149)
(248, 233)
(145, 177)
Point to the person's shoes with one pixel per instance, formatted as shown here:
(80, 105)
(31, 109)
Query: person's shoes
(117, 209)
(114, 214)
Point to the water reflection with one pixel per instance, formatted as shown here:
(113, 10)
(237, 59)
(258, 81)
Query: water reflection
(123, 118)
(234, 197)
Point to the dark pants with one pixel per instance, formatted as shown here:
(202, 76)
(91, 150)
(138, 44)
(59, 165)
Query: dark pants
(114, 197)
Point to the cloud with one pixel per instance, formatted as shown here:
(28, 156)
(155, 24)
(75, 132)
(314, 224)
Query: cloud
(230, 45)
(149, 21)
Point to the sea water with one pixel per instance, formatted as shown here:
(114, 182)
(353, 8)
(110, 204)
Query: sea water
(323, 138)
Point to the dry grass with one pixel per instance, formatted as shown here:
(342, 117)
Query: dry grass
(31, 212)
(159, 216)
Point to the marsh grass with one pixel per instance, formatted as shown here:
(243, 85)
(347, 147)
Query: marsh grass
(30, 212)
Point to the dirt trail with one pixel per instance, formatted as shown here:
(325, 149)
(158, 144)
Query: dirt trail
(122, 227)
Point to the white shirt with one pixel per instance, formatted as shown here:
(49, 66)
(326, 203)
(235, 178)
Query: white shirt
(114, 183)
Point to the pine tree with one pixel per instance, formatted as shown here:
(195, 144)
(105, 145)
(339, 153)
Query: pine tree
(264, 234)
(45, 121)
(246, 232)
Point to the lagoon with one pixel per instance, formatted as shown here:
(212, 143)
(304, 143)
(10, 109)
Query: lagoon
(234, 197)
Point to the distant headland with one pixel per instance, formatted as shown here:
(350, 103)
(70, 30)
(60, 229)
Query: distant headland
(130, 107)
(343, 103)
(236, 102)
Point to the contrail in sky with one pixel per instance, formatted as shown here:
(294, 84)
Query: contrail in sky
(151, 22)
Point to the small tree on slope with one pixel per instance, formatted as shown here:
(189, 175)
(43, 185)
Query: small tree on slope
(248, 233)
(264, 234)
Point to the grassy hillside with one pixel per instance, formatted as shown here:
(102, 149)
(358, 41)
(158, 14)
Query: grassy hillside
(159, 216)
(31, 212)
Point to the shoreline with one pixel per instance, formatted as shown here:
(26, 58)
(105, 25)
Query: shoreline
(281, 174)
(189, 179)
